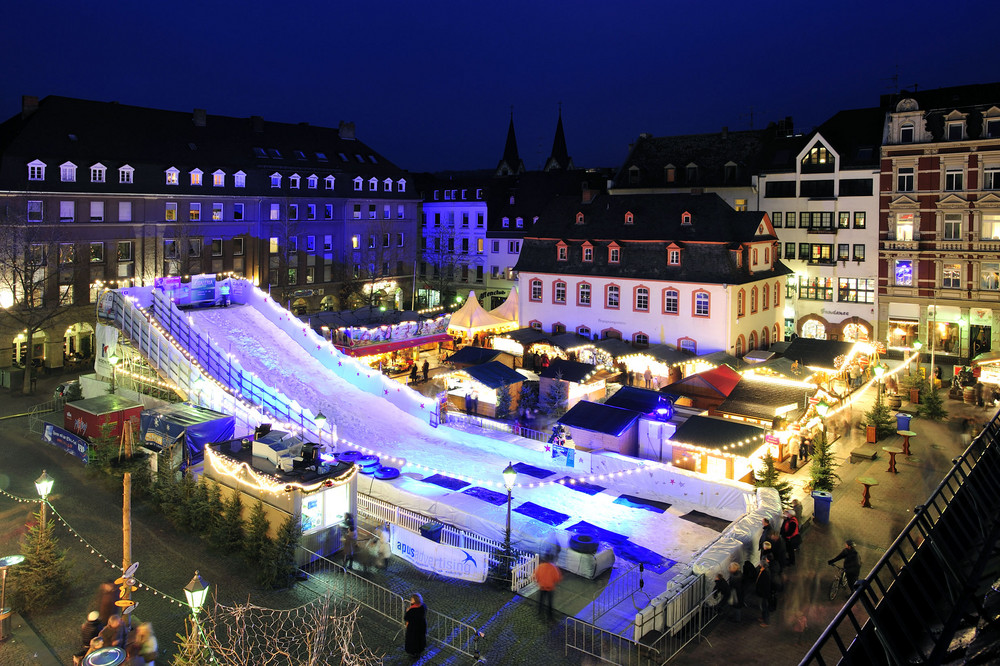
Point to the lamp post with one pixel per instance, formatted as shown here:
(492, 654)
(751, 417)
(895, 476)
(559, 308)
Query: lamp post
(917, 346)
(509, 477)
(113, 360)
(196, 592)
(43, 485)
(320, 421)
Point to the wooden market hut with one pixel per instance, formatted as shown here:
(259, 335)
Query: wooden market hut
(469, 356)
(583, 380)
(485, 382)
(595, 427)
(704, 390)
(717, 447)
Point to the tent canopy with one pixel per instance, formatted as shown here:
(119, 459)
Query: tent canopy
(508, 309)
(472, 318)
(197, 426)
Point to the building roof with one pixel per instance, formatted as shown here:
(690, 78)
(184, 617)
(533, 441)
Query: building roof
(471, 317)
(638, 399)
(708, 232)
(666, 353)
(475, 356)
(570, 371)
(526, 336)
(600, 418)
(367, 317)
(723, 435)
(720, 380)
(527, 194)
(855, 135)
(721, 358)
(510, 162)
(947, 99)
(84, 132)
(494, 374)
(763, 399)
(817, 353)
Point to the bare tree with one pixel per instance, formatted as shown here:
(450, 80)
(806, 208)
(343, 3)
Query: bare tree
(30, 283)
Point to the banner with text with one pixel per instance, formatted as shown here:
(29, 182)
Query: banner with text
(440, 558)
(66, 441)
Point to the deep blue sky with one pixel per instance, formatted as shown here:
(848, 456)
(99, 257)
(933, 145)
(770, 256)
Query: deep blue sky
(430, 84)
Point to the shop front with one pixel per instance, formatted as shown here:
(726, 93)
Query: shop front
(980, 331)
(904, 325)
(944, 329)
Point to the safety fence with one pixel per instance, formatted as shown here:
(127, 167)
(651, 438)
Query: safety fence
(442, 629)
(910, 605)
(36, 420)
(456, 417)
(620, 587)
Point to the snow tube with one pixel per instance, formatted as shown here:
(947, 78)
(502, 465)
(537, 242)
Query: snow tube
(348, 456)
(583, 543)
(368, 464)
(386, 473)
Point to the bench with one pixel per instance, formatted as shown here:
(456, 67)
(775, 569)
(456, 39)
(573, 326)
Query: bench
(864, 452)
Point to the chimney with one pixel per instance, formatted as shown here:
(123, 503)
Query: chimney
(29, 104)
(346, 130)
(588, 195)
(725, 132)
(199, 118)
(257, 123)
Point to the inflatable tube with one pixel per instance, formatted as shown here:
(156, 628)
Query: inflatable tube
(583, 543)
(368, 464)
(348, 456)
(386, 473)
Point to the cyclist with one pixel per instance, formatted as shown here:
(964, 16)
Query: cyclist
(852, 563)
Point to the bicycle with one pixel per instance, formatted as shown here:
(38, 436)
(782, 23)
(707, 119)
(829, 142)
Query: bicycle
(839, 582)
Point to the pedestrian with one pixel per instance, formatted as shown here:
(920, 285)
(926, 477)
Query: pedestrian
(794, 443)
(720, 593)
(468, 402)
(413, 374)
(547, 575)
(806, 449)
(852, 562)
(780, 554)
(790, 535)
(799, 625)
(145, 641)
(797, 509)
(426, 368)
(475, 401)
(737, 598)
(350, 540)
(415, 620)
(113, 634)
(648, 376)
(107, 595)
(762, 587)
(766, 523)
(90, 628)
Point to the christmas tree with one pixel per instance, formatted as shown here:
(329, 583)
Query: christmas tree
(931, 405)
(880, 417)
(43, 577)
(769, 478)
(821, 472)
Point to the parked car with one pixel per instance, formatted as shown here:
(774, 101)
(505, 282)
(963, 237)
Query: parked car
(70, 390)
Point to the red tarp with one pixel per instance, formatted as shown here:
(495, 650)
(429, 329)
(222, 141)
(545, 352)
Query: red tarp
(394, 345)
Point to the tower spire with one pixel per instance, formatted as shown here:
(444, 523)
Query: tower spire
(559, 159)
(510, 164)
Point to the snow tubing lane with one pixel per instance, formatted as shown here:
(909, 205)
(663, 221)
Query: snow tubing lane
(583, 543)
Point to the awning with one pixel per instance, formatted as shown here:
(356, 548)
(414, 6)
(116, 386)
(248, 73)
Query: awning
(393, 345)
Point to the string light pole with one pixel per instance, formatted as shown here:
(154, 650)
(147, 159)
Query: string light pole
(509, 478)
(196, 592)
(113, 360)
(320, 420)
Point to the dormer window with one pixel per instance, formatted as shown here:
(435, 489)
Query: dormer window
(125, 174)
(955, 131)
(738, 257)
(633, 175)
(730, 172)
(817, 160)
(387, 185)
(614, 253)
(505, 223)
(670, 173)
(173, 176)
(373, 185)
(673, 257)
(293, 181)
(312, 182)
(328, 182)
(519, 222)
(67, 172)
(579, 218)
(629, 218)
(512, 200)
(686, 218)
(36, 170)
(239, 179)
(562, 252)
(588, 252)
(219, 178)
(906, 133)
(275, 179)
(97, 173)
(196, 176)
(401, 185)
(692, 173)
(359, 184)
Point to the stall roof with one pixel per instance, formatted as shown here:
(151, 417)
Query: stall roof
(104, 404)
(785, 367)
(779, 347)
(712, 433)
(526, 336)
(817, 353)
(758, 356)
(509, 308)
(475, 355)
(760, 399)
(721, 358)
(394, 345)
(471, 317)
(596, 417)
(566, 341)
(986, 358)
(721, 379)
(570, 371)
(614, 346)
(366, 317)
(494, 374)
(235, 451)
(668, 354)
(637, 399)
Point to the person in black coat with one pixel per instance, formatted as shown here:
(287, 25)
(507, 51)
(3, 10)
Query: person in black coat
(88, 630)
(762, 586)
(415, 619)
(425, 368)
(413, 373)
(852, 562)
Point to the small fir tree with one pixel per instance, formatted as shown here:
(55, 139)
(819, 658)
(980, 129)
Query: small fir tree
(232, 519)
(880, 417)
(931, 405)
(213, 517)
(769, 478)
(529, 396)
(258, 547)
(821, 469)
(553, 401)
(42, 579)
(198, 507)
(191, 650)
(286, 542)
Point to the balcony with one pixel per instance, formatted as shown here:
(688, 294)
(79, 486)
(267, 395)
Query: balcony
(987, 245)
(899, 245)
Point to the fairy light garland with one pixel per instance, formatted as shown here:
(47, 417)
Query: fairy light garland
(241, 471)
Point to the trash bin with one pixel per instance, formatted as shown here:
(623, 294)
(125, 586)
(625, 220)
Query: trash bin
(431, 531)
(821, 506)
(903, 421)
(871, 434)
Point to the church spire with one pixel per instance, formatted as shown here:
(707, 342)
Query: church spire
(510, 164)
(559, 160)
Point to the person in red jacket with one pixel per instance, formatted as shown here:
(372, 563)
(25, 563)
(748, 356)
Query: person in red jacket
(547, 575)
(790, 534)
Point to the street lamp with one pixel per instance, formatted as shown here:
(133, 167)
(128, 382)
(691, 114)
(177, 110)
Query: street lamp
(113, 360)
(509, 477)
(196, 591)
(320, 421)
(43, 485)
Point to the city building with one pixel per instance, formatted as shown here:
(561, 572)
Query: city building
(105, 193)
(819, 191)
(684, 270)
(939, 220)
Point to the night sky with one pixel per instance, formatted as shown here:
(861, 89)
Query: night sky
(430, 84)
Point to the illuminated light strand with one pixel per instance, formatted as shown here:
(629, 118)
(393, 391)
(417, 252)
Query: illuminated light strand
(238, 471)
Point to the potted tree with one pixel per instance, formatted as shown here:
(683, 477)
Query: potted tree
(823, 478)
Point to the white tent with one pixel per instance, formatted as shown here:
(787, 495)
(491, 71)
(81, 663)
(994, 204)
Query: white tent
(508, 309)
(472, 318)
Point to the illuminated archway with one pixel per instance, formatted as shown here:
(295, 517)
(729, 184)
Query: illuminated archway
(78, 342)
(37, 352)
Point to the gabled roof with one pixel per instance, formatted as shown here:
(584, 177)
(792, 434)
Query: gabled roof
(570, 371)
(762, 399)
(475, 356)
(509, 308)
(855, 135)
(666, 353)
(494, 374)
(712, 433)
(721, 358)
(638, 399)
(526, 336)
(721, 380)
(600, 418)
(817, 353)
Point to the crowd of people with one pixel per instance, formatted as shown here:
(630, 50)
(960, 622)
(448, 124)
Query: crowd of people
(105, 629)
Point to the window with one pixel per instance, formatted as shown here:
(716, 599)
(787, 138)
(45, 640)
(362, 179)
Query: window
(906, 133)
(237, 211)
(97, 173)
(513, 247)
(953, 226)
(387, 239)
(194, 247)
(480, 220)
(275, 180)
(312, 181)
(96, 211)
(216, 247)
(822, 253)
(238, 247)
(293, 243)
(856, 290)
(766, 297)
(327, 243)
(67, 211)
(386, 212)
(124, 251)
(671, 301)
(401, 185)
(170, 212)
(173, 176)
(753, 300)
(780, 189)
(239, 179)
(955, 131)
(373, 185)
(124, 211)
(310, 211)
(815, 288)
(777, 296)
(689, 345)
(196, 176)
(790, 220)
(859, 220)
(559, 292)
(480, 243)
(904, 227)
(754, 255)
(293, 181)
(67, 173)
(954, 179)
(741, 303)
(674, 258)
(34, 211)
(562, 253)
(125, 174)
(194, 212)
(612, 296)
(701, 304)
(789, 250)
(371, 241)
(372, 213)
(951, 276)
(991, 227)
(903, 272)
(399, 240)
(859, 252)
(588, 253)
(804, 251)
(536, 290)
(904, 179)
(400, 211)
(856, 187)
(843, 220)
(642, 299)
(519, 222)
(989, 276)
(993, 128)
(818, 159)
(36, 170)
(219, 179)
(310, 243)
(505, 223)
(97, 253)
(355, 242)
(275, 211)
(692, 173)
(583, 294)
(614, 255)
(991, 178)
(843, 252)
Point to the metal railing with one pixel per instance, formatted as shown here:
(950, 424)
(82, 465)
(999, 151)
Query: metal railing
(911, 603)
(455, 416)
(444, 630)
(618, 589)
(36, 424)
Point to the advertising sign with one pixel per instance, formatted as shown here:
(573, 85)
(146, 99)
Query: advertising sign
(66, 441)
(202, 289)
(442, 559)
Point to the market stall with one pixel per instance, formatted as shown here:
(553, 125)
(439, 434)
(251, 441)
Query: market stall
(581, 381)
(188, 425)
(705, 390)
(101, 417)
(720, 448)
(598, 427)
(478, 389)
(472, 319)
(508, 310)
(391, 341)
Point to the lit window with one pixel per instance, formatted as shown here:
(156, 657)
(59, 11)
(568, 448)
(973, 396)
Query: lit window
(194, 212)
(125, 174)
(588, 253)
(991, 227)
(584, 294)
(951, 276)
(217, 212)
(536, 290)
(239, 179)
(559, 292)
(36, 170)
(97, 173)
(989, 276)
(312, 182)
(173, 176)
(613, 296)
(34, 211)
(275, 211)
(356, 242)
(67, 211)
(219, 179)
(196, 177)
(904, 227)
(275, 180)
(903, 272)
(170, 212)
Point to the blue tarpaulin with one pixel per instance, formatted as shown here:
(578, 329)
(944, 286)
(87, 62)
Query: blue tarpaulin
(197, 426)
